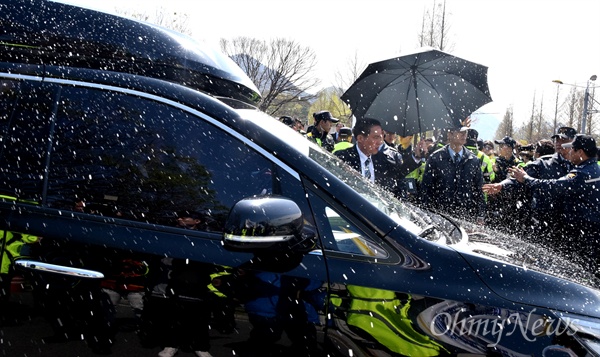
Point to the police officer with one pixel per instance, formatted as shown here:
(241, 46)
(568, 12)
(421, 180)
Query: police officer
(487, 168)
(578, 194)
(543, 213)
(344, 139)
(452, 179)
(506, 157)
(319, 133)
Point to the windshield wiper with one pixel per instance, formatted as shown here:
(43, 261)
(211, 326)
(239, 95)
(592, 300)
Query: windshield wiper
(427, 230)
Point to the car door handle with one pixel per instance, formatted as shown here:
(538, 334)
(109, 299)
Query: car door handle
(58, 269)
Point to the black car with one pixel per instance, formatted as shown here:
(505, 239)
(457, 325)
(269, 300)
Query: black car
(135, 169)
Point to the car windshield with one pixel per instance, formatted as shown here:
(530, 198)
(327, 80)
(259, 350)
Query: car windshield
(461, 235)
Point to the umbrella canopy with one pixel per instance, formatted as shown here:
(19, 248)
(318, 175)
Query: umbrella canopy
(423, 91)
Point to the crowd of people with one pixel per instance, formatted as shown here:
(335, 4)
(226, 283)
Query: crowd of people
(547, 191)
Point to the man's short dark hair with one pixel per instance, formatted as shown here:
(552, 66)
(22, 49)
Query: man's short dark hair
(363, 126)
(544, 147)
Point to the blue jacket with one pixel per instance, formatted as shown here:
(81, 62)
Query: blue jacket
(454, 188)
(577, 194)
(542, 202)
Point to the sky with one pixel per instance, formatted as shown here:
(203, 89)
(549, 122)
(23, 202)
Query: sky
(526, 44)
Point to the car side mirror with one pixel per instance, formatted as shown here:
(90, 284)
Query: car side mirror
(267, 223)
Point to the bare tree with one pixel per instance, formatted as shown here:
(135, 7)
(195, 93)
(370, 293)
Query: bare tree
(345, 77)
(530, 125)
(574, 108)
(539, 124)
(176, 21)
(593, 108)
(435, 28)
(280, 68)
(506, 127)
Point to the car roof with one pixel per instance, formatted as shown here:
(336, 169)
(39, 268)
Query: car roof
(53, 33)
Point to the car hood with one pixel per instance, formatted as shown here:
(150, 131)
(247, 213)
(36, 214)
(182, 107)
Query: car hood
(523, 272)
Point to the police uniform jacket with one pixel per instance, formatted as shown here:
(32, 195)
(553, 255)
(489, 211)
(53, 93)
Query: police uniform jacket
(386, 163)
(541, 202)
(578, 195)
(323, 139)
(502, 166)
(454, 188)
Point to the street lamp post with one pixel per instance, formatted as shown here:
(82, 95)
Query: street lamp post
(586, 100)
(556, 106)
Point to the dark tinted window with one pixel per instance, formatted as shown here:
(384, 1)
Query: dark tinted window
(25, 112)
(143, 160)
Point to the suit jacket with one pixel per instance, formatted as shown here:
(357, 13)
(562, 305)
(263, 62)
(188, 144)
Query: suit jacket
(454, 188)
(386, 163)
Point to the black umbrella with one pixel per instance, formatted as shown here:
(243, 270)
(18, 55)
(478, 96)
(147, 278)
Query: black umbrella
(423, 91)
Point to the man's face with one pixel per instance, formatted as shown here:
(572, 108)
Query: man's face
(338, 126)
(574, 156)
(187, 222)
(325, 125)
(505, 150)
(421, 148)
(457, 138)
(390, 138)
(558, 146)
(369, 144)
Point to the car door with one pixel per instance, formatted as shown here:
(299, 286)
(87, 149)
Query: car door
(122, 168)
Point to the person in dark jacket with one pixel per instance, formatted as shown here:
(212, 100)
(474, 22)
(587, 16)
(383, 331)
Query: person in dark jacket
(544, 214)
(505, 158)
(319, 133)
(452, 180)
(578, 193)
(379, 166)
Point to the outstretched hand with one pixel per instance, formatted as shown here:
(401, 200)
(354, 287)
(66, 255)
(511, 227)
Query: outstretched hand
(517, 173)
(492, 188)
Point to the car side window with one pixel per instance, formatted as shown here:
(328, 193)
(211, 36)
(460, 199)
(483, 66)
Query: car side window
(341, 235)
(25, 114)
(138, 159)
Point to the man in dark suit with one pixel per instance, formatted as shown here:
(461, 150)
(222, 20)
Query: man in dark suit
(452, 181)
(378, 166)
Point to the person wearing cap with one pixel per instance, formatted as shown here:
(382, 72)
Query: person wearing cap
(293, 123)
(319, 133)
(505, 158)
(578, 195)
(389, 137)
(336, 135)
(487, 168)
(542, 214)
(344, 141)
(452, 179)
(414, 168)
(526, 154)
(378, 166)
(287, 120)
(488, 149)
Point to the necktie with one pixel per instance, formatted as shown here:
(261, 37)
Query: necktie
(367, 169)
(456, 158)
